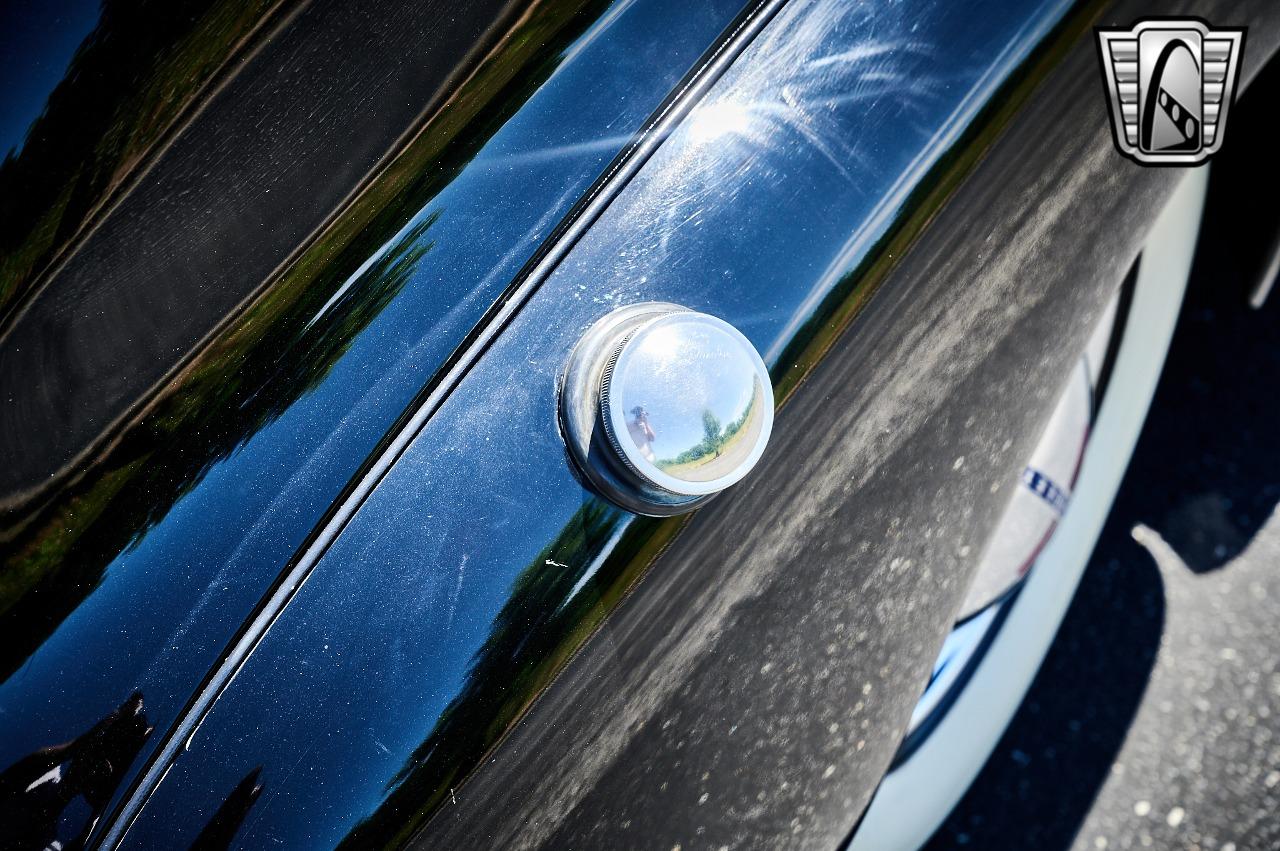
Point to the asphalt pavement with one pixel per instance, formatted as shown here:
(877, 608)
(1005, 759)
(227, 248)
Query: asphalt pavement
(1155, 720)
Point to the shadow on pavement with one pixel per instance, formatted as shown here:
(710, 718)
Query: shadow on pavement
(1206, 474)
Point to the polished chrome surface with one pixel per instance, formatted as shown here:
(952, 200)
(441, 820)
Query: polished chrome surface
(664, 407)
(688, 403)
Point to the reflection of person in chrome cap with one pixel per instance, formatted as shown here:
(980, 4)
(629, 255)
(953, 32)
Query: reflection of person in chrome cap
(641, 432)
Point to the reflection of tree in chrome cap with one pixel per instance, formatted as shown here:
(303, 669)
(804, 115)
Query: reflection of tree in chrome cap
(715, 437)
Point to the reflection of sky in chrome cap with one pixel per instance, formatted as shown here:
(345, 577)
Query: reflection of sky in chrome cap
(685, 384)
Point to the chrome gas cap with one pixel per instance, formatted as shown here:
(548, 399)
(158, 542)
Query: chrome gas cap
(664, 407)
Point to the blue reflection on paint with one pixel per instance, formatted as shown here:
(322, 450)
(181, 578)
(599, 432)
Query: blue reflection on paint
(754, 210)
(170, 603)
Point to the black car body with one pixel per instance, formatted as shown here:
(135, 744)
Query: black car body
(293, 553)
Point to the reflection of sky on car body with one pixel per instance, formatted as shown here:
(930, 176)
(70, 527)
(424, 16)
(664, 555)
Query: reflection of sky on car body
(208, 561)
(819, 133)
(870, 119)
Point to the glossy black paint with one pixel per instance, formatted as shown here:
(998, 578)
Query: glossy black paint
(92, 91)
(263, 163)
(37, 43)
(775, 645)
(140, 566)
(754, 685)
(55, 792)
